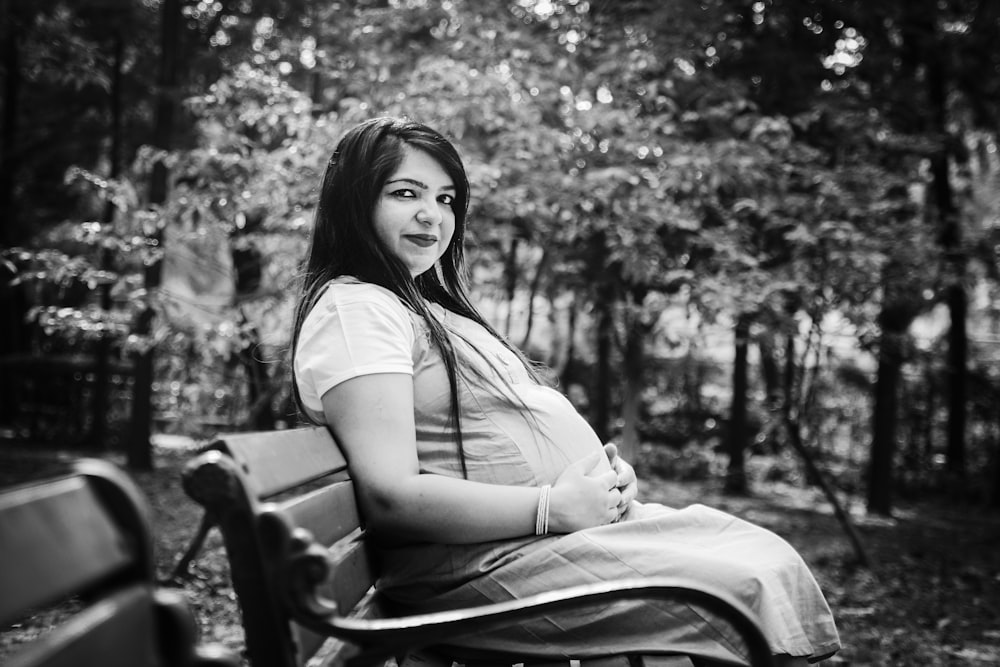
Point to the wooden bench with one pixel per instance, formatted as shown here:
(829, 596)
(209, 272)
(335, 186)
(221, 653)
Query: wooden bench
(304, 580)
(79, 546)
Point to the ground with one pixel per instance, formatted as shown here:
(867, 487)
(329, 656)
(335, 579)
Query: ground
(930, 597)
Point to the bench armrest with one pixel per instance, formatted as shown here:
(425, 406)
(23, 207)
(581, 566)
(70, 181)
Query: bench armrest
(305, 568)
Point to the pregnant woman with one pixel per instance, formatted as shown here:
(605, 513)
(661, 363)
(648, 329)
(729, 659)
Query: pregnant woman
(479, 482)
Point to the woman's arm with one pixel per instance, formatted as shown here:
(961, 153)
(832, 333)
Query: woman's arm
(372, 418)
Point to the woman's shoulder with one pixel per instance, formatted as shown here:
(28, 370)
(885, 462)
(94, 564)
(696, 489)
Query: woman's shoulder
(346, 292)
(357, 309)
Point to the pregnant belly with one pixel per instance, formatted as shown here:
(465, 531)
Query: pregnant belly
(562, 434)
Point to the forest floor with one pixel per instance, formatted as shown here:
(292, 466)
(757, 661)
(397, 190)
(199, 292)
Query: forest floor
(931, 596)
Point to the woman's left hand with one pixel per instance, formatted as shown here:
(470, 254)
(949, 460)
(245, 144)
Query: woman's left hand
(628, 484)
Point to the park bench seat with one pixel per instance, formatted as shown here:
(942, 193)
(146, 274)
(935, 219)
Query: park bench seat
(303, 576)
(80, 544)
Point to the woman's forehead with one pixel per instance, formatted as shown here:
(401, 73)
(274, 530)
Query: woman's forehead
(420, 166)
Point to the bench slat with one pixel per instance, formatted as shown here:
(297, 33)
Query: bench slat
(57, 540)
(329, 513)
(335, 652)
(276, 461)
(307, 641)
(351, 587)
(124, 621)
(353, 576)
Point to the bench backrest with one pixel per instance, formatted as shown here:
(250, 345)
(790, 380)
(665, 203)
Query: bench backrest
(261, 488)
(81, 544)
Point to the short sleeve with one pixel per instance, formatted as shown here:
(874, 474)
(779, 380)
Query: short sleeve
(354, 329)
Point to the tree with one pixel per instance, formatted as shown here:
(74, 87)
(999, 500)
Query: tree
(753, 161)
(927, 50)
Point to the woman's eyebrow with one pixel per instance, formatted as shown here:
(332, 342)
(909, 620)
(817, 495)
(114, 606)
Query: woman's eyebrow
(419, 184)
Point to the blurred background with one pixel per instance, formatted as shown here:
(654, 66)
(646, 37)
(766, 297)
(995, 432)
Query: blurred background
(734, 230)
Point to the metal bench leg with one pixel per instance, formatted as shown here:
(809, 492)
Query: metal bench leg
(182, 570)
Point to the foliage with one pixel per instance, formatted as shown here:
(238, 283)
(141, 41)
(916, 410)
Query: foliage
(725, 157)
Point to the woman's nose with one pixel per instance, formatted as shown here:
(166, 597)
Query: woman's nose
(428, 212)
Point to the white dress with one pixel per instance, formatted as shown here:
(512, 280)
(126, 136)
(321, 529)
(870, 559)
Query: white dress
(357, 329)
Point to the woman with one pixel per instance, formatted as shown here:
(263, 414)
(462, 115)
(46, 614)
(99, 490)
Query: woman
(478, 482)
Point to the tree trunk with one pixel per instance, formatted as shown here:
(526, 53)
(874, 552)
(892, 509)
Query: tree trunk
(894, 323)
(955, 296)
(930, 408)
(600, 395)
(769, 368)
(140, 450)
(634, 358)
(14, 334)
(736, 477)
(260, 392)
(788, 377)
(993, 494)
(958, 374)
(9, 157)
(99, 413)
(510, 282)
(795, 437)
(166, 94)
(567, 374)
(536, 284)
(115, 126)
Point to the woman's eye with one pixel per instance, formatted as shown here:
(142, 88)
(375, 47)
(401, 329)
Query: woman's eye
(403, 193)
(446, 199)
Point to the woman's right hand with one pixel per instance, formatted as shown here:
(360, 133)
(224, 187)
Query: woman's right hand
(585, 495)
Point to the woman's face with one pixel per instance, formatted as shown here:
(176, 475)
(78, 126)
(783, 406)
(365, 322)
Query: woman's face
(413, 215)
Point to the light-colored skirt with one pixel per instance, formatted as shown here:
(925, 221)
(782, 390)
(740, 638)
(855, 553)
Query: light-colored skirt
(698, 543)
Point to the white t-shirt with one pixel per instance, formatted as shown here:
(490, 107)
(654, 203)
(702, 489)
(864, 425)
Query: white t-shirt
(354, 329)
(514, 431)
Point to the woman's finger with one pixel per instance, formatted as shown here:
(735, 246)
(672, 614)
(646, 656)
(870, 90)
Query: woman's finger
(626, 473)
(609, 479)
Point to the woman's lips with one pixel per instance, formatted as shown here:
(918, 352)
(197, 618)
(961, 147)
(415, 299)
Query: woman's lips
(422, 240)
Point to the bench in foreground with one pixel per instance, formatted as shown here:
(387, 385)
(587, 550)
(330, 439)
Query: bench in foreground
(81, 543)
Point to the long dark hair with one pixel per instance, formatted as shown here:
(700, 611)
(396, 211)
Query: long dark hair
(344, 242)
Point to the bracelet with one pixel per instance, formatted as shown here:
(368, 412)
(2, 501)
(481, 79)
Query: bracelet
(542, 518)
